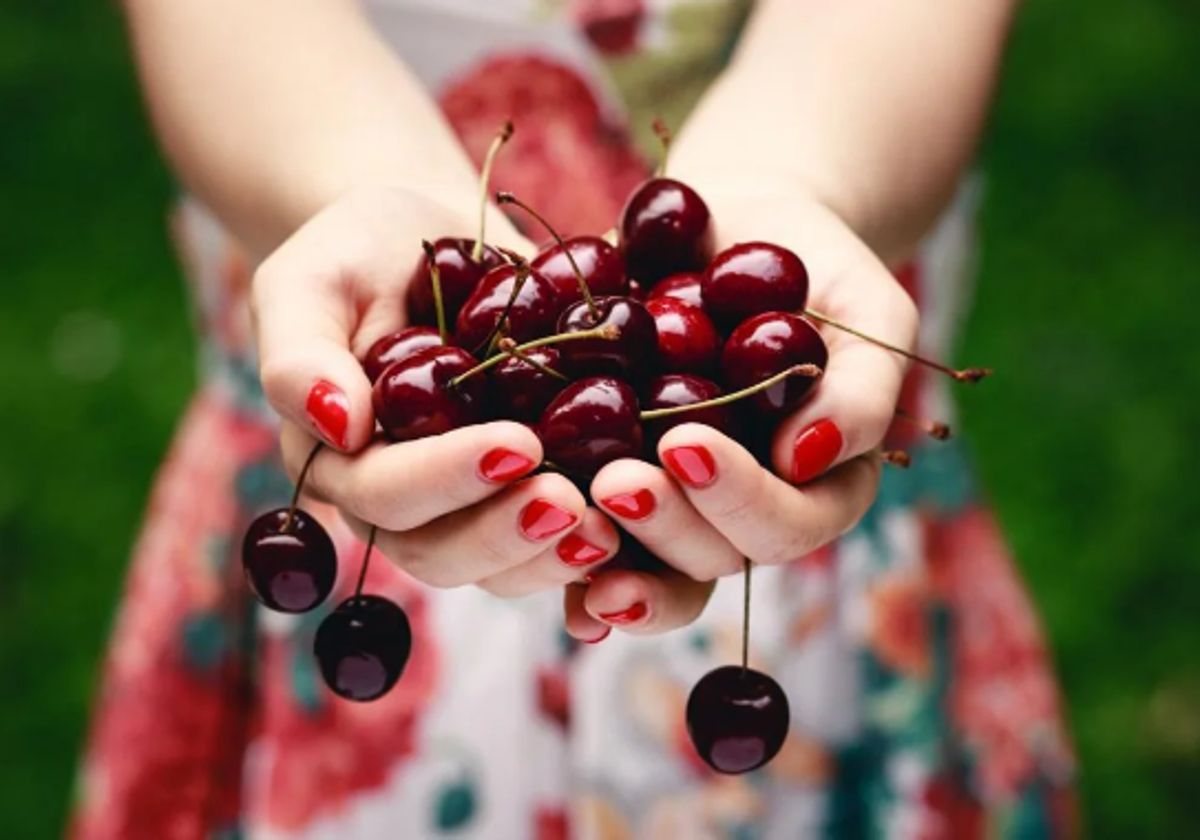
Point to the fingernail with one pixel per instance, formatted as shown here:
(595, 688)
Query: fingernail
(607, 633)
(541, 520)
(574, 550)
(626, 617)
(637, 505)
(503, 465)
(816, 447)
(329, 410)
(693, 465)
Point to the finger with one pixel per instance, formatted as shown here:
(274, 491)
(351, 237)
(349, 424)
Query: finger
(498, 534)
(651, 507)
(646, 603)
(572, 557)
(764, 517)
(401, 486)
(579, 624)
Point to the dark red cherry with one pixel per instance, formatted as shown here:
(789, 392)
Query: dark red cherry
(684, 286)
(532, 315)
(362, 647)
(601, 265)
(592, 422)
(289, 570)
(765, 345)
(752, 278)
(677, 389)
(413, 398)
(631, 355)
(396, 347)
(637, 291)
(460, 275)
(737, 719)
(664, 230)
(522, 391)
(687, 340)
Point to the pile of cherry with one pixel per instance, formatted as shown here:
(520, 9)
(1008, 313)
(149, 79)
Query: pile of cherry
(601, 349)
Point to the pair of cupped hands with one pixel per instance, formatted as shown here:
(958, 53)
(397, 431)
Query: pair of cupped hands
(465, 507)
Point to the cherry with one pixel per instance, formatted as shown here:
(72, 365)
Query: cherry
(396, 347)
(631, 355)
(751, 278)
(684, 286)
(687, 340)
(414, 398)
(289, 561)
(460, 275)
(363, 646)
(737, 718)
(522, 390)
(766, 344)
(665, 229)
(600, 264)
(530, 309)
(592, 422)
(680, 389)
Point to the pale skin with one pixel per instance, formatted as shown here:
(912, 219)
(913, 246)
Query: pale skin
(839, 130)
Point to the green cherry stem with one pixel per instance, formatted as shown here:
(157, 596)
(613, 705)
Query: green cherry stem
(435, 280)
(488, 345)
(485, 177)
(811, 371)
(287, 522)
(362, 573)
(664, 138)
(510, 347)
(608, 332)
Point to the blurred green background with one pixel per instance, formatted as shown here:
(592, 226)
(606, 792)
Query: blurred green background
(1091, 238)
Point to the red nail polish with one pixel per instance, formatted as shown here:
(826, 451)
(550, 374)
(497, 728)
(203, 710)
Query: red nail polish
(816, 447)
(607, 633)
(693, 465)
(637, 505)
(541, 520)
(329, 410)
(503, 465)
(574, 550)
(630, 616)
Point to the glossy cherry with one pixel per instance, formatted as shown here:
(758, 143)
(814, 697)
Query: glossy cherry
(679, 389)
(766, 344)
(396, 347)
(460, 275)
(362, 647)
(687, 340)
(414, 399)
(601, 265)
(665, 229)
(532, 314)
(289, 561)
(632, 355)
(752, 278)
(592, 422)
(522, 391)
(684, 286)
(737, 718)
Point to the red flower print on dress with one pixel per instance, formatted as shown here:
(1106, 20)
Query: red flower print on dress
(898, 630)
(611, 25)
(551, 824)
(554, 694)
(561, 140)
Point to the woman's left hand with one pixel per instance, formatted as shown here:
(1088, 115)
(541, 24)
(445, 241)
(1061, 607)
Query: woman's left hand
(713, 504)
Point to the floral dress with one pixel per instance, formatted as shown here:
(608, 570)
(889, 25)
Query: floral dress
(922, 702)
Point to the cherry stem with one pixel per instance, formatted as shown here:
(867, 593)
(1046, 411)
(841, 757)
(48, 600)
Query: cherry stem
(934, 428)
(287, 522)
(745, 614)
(970, 375)
(362, 573)
(664, 138)
(510, 347)
(896, 457)
(435, 280)
(608, 332)
(485, 177)
(489, 344)
(509, 198)
(811, 371)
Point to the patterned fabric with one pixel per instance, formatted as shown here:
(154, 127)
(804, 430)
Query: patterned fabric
(922, 703)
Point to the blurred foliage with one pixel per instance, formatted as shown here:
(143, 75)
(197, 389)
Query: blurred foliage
(1090, 239)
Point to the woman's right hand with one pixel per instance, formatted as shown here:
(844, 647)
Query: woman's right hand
(453, 509)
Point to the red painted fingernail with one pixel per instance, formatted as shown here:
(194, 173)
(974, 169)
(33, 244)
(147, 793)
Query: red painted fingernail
(630, 616)
(607, 633)
(637, 505)
(693, 465)
(329, 410)
(541, 520)
(816, 447)
(503, 465)
(574, 550)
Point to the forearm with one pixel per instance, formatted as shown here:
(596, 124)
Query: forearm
(873, 107)
(269, 110)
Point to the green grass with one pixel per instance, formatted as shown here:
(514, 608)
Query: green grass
(1091, 231)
